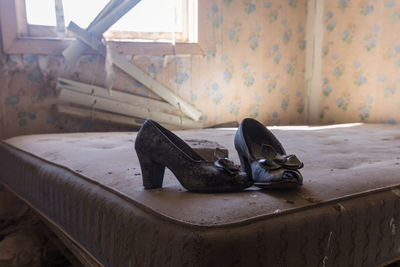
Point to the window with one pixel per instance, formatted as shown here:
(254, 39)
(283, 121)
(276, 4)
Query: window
(143, 30)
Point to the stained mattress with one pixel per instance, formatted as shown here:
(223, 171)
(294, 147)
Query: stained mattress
(89, 185)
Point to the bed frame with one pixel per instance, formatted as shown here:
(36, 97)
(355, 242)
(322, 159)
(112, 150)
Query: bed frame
(88, 188)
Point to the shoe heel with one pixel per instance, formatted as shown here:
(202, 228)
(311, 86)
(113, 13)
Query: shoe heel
(152, 172)
(245, 165)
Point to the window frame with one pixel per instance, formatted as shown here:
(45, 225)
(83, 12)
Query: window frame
(14, 28)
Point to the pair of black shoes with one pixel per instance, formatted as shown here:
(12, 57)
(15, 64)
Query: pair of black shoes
(264, 162)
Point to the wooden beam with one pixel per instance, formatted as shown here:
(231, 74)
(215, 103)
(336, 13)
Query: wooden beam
(111, 5)
(135, 72)
(8, 23)
(96, 115)
(314, 56)
(105, 116)
(60, 16)
(156, 48)
(112, 17)
(73, 52)
(118, 96)
(56, 46)
(20, 12)
(111, 13)
(125, 109)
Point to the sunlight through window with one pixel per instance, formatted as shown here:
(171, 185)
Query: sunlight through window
(162, 16)
(41, 12)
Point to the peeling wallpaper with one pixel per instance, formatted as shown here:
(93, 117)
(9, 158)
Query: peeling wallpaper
(361, 61)
(253, 66)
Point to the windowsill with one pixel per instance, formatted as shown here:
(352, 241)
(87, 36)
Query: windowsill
(55, 46)
(12, 23)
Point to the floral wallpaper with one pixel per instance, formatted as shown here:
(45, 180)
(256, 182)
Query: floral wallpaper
(361, 61)
(253, 66)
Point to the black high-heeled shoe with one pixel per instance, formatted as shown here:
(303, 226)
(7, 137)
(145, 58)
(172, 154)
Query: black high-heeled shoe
(264, 159)
(158, 148)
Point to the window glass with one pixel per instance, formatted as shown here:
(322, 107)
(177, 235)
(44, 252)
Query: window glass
(146, 16)
(152, 16)
(82, 12)
(41, 12)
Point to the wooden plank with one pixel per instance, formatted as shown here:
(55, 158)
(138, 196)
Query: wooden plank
(20, 11)
(125, 109)
(60, 16)
(110, 15)
(97, 115)
(156, 48)
(73, 52)
(105, 116)
(118, 96)
(314, 55)
(37, 46)
(135, 72)
(192, 20)
(56, 46)
(111, 5)
(8, 23)
(133, 100)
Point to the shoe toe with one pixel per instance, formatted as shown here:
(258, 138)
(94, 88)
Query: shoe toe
(292, 176)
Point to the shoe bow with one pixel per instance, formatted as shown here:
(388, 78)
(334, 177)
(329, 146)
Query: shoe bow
(224, 163)
(273, 160)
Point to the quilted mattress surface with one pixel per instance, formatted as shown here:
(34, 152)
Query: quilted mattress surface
(89, 185)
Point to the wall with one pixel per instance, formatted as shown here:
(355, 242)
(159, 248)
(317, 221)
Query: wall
(361, 62)
(253, 66)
